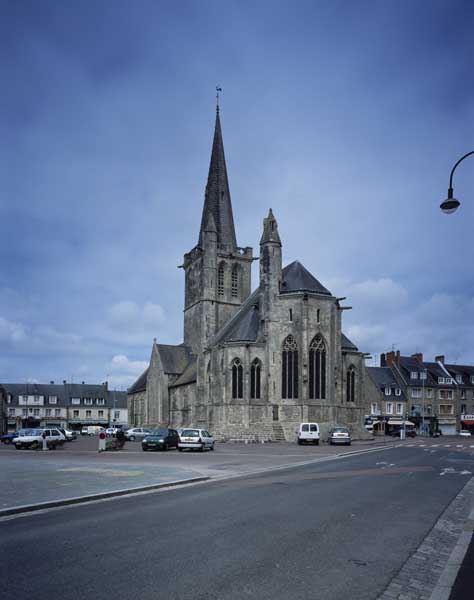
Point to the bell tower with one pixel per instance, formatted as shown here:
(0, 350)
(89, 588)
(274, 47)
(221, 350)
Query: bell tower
(217, 271)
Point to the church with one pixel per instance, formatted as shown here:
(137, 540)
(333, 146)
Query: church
(252, 365)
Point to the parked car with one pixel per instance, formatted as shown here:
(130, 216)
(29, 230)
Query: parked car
(111, 431)
(85, 430)
(68, 434)
(136, 433)
(94, 429)
(465, 433)
(339, 435)
(34, 439)
(308, 433)
(161, 439)
(7, 438)
(195, 439)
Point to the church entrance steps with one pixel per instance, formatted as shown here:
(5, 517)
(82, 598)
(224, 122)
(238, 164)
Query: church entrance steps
(278, 433)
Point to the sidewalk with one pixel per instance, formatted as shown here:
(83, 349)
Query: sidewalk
(463, 588)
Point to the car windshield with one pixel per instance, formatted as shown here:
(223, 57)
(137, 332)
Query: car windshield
(159, 432)
(190, 433)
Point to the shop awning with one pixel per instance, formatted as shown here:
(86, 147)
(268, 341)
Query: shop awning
(399, 422)
(467, 421)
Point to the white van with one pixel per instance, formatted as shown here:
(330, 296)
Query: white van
(308, 433)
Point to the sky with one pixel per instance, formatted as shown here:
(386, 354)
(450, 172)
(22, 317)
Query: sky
(345, 117)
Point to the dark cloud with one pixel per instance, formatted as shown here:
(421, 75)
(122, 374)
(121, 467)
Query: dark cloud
(344, 117)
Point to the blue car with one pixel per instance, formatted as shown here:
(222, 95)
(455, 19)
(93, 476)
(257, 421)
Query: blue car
(7, 438)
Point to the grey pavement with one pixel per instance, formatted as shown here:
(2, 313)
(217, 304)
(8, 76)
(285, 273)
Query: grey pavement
(77, 469)
(342, 528)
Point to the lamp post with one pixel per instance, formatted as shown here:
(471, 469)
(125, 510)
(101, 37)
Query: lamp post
(449, 205)
(423, 401)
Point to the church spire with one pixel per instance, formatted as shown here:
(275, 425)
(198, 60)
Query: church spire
(217, 198)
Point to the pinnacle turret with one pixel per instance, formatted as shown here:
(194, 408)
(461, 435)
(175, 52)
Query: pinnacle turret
(217, 198)
(270, 230)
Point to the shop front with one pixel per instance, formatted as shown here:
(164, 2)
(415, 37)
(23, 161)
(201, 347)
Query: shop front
(467, 423)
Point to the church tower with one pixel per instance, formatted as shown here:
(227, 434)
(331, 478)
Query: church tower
(217, 271)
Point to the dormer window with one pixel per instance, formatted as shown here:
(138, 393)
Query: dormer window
(423, 374)
(414, 375)
(398, 392)
(459, 378)
(388, 391)
(441, 380)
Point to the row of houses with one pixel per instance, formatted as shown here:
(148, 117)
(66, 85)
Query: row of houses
(432, 395)
(67, 405)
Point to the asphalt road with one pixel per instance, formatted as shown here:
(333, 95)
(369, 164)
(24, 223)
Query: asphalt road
(342, 528)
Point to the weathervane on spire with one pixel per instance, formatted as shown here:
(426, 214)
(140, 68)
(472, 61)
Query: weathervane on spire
(218, 89)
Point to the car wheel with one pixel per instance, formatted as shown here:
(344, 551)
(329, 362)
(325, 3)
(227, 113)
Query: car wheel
(144, 449)
(165, 447)
(201, 449)
(180, 449)
(132, 438)
(18, 446)
(212, 447)
(300, 442)
(317, 442)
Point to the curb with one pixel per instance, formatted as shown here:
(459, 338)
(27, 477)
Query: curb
(29, 508)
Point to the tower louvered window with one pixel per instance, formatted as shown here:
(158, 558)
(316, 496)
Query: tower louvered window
(350, 385)
(289, 368)
(317, 369)
(220, 280)
(255, 371)
(235, 282)
(237, 379)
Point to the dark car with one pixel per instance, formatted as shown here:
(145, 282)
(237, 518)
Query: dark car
(161, 439)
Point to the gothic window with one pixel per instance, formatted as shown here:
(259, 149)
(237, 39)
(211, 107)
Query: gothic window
(289, 368)
(317, 369)
(220, 279)
(235, 282)
(237, 379)
(255, 371)
(350, 385)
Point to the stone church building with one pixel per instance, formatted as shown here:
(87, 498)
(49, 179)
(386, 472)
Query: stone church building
(252, 364)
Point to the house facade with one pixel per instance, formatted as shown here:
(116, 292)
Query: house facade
(67, 405)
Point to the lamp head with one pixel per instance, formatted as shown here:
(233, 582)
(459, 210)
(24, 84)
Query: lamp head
(450, 204)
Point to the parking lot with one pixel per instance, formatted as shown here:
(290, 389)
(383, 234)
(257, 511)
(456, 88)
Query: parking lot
(78, 469)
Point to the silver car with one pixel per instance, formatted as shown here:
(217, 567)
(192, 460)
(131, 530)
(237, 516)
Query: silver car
(339, 435)
(136, 433)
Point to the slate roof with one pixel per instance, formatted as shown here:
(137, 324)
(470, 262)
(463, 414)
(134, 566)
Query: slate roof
(244, 325)
(385, 377)
(189, 375)
(140, 383)
(174, 359)
(346, 343)
(296, 278)
(465, 370)
(410, 363)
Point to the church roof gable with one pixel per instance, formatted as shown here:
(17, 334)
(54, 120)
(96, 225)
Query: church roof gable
(244, 324)
(346, 343)
(296, 278)
(189, 375)
(173, 359)
(140, 383)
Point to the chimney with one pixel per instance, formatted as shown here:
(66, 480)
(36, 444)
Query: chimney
(392, 358)
(440, 358)
(419, 357)
(83, 382)
(64, 382)
(51, 382)
(106, 385)
(383, 360)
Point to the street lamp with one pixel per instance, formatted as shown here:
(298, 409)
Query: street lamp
(451, 204)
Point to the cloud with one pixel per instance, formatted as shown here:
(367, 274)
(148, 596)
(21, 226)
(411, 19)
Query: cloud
(12, 333)
(127, 322)
(121, 364)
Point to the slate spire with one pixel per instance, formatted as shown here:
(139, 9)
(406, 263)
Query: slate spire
(217, 198)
